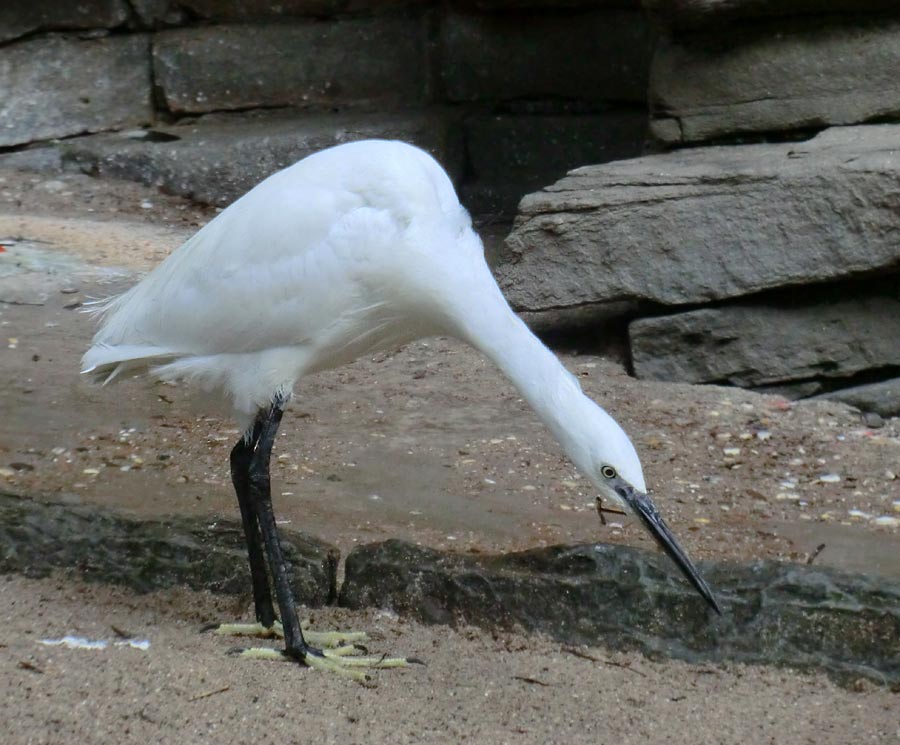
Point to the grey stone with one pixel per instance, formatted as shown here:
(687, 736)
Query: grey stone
(45, 159)
(364, 61)
(691, 14)
(709, 223)
(18, 18)
(220, 157)
(156, 13)
(873, 420)
(785, 614)
(878, 398)
(58, 86)
(754, 345)
(511, 155)
(790, 74)
(37, 538)
(582, 56)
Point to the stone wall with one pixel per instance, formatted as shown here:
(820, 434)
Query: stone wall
(509, 95)
(764, 249)
(759, 245)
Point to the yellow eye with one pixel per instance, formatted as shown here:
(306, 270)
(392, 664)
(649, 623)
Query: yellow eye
(608, 472)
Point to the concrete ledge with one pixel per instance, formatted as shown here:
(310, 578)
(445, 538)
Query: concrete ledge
(217, 158)
(783, 614)
(37, 538)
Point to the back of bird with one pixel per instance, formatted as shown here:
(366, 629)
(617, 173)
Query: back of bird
(272, 269)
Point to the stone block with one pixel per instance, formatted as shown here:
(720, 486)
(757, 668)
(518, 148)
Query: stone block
(790, 74)
(705, 224)
(512, 155)
(37, 538)
(363, 61)
(623, 598)
(581, 56)
(58, 86)
(218, 158)
(882, 398)
(757, 345)
(18, 17)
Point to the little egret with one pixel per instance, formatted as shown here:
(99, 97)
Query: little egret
(353, 250)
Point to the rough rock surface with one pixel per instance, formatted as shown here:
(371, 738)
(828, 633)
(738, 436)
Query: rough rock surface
(58, 86)
(775, 342)
(218, 158)
(218, 68)
(882, 398)
(553, 58)
(800, 73)
(775, 613)
(37, 538)
(709, 223)
(20, 18)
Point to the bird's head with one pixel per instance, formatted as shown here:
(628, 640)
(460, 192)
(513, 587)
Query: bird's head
(611, 462)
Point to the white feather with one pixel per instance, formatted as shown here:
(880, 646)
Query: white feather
(359, 248)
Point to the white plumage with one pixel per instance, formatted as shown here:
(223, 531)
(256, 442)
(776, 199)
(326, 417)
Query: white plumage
(359, 248)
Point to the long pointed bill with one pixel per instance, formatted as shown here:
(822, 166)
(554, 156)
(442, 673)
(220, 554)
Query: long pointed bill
(645, 509)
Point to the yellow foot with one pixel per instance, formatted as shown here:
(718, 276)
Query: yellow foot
(332, 651)
(346, 661)
(322, 639)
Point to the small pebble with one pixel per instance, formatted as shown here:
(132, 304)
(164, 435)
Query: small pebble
(829, 478)
(873, 420)
(887, 521)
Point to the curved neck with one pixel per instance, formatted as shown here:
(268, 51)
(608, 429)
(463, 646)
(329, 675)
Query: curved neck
(488, 323)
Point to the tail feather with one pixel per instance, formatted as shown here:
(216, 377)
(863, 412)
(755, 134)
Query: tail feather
(105, 362)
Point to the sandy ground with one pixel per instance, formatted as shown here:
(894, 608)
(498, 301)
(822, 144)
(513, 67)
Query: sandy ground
(429, 444)
(475, 687)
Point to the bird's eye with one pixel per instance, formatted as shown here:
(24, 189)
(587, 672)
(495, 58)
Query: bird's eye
(608, 472)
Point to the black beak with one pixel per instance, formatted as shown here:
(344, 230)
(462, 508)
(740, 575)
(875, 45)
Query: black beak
(646, 511)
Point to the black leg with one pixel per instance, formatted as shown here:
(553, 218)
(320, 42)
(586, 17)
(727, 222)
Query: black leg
(261, 504)
(241, 456)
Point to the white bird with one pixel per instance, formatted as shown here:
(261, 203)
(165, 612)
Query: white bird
(353, 250)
